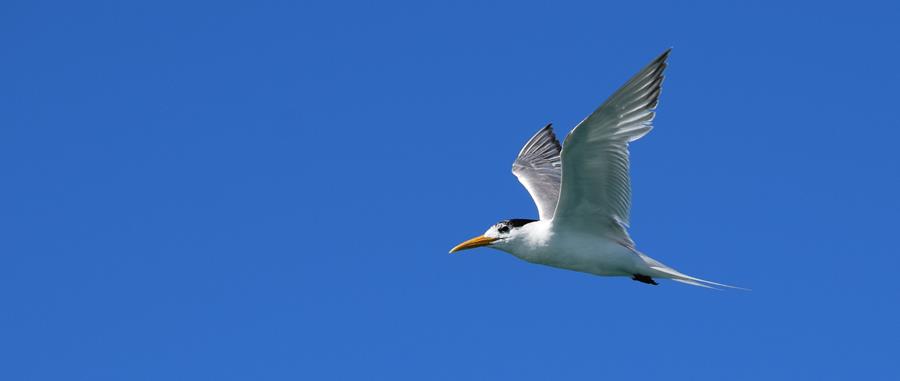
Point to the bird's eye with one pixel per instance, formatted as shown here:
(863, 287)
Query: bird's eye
(503, 229)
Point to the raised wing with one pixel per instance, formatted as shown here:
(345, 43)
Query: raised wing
(596, 187)
(538, 169)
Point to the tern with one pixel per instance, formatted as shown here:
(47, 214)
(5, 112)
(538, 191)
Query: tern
(582, 191)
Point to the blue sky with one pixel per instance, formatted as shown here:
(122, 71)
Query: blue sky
(268, 190)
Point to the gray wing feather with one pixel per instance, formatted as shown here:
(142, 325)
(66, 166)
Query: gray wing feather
(538, 169)
(596, 187)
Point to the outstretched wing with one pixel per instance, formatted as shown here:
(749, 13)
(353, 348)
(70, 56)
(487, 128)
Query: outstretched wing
(596, 187)
(538, 169)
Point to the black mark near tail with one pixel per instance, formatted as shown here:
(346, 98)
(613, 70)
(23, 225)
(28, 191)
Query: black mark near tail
(644, 279)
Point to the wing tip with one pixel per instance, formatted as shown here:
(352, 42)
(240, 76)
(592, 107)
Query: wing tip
(660, 63)
(543, 136)
(665, 54)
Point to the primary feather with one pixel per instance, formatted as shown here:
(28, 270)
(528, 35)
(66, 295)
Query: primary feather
(596, 187)
(538, 169)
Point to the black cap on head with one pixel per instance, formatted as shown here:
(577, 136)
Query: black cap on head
(518, 222)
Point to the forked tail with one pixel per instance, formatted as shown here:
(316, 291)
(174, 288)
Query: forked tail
(668, 272)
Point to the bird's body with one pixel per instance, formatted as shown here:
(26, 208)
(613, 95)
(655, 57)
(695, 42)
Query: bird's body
(583, 193)
(538, 242)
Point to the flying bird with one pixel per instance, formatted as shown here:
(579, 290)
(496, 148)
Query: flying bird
(582, 191)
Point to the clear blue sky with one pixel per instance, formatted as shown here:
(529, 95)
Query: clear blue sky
(268, 190)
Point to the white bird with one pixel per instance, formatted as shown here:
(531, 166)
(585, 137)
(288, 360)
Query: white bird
(583, 193)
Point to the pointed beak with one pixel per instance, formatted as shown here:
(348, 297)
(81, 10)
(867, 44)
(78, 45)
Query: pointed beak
(473, 243)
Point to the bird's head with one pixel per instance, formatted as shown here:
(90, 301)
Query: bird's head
(497, 235)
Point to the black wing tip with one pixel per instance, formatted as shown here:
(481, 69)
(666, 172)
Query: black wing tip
(542, 146)
(548, 129)
(665, 54)
(547, 132)
(661, 59)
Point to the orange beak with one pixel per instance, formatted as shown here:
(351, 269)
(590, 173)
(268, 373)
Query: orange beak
(473, 243)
